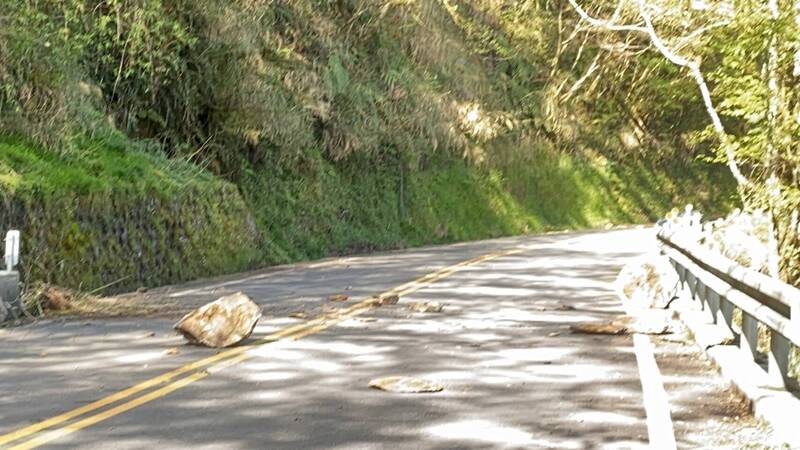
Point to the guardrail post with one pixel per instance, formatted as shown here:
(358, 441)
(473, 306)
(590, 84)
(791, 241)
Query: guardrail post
(681, 275)
(748, 341)
(726, 308)
(713, 303)
(702, 294)
(692, 282)
(779, 350)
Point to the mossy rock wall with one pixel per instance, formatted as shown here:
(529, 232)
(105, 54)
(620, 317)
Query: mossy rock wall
(144, 239)
(120, 218)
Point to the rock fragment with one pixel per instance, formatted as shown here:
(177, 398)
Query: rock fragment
(655, 324)
(337, 298)
(609, 328)
(221, 323)
(405, 385)
(388, 300)
(648, 282)
(426, 307)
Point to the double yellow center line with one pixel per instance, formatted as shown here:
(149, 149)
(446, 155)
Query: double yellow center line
(139, 394)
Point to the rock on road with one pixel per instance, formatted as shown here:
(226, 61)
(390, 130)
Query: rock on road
(513, 374)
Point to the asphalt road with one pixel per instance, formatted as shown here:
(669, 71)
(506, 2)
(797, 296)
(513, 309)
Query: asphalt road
(514, 375)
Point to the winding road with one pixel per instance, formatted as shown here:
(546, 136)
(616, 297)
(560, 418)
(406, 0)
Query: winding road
(514, 375)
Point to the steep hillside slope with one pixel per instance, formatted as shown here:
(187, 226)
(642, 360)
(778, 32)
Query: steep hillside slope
(338, 126)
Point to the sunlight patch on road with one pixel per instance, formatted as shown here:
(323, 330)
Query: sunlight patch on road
(271, 376)
(352, 323)
(483, 337)
(451, 375)
(461, 291)
(320, 366)
(535, 354)
(494, 433)
(278, 353)
(572, 373)
(254, 366)
(368, 358)
(424, 327)
(342, 348)
(139, 357)
(605, 418)
(510, 316)
(268, 396)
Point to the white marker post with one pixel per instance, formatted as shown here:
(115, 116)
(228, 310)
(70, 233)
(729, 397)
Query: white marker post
(12, 249)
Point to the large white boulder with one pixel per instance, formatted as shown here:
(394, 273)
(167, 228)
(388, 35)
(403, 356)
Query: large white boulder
(648, 282)
(221, 323)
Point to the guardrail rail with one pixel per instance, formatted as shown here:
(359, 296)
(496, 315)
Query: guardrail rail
(721, 285)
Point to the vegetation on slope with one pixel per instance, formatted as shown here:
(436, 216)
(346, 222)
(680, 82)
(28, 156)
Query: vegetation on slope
(121, 218)
(343, 125)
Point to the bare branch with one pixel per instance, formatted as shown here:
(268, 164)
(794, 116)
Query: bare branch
(697, 74)
(694, 70)
(577, 85)
(610, 25)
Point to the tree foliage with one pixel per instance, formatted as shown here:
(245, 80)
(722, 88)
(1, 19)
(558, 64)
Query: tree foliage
(744, 57)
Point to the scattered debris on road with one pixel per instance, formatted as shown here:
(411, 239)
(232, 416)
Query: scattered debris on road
(221, 323)
(386, 300)
(45, 297)
(645, 324)
(405, 385)
(42, 299)
(337, 298)
(648, 282)
(298, 315)
(609, 328)
(426, 307)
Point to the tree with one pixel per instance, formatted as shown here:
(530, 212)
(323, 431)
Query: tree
(752, 56)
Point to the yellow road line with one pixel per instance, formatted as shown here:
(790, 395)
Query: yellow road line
(135, 389)
(138, 401)
(222, 359)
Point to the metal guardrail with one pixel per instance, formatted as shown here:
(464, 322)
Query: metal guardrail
(722, 285)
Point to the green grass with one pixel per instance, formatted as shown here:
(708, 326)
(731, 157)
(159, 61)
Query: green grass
(333, 210)
(92, 167)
